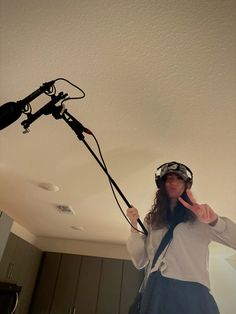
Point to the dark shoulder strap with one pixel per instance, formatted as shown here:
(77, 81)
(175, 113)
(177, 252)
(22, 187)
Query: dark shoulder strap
(164, 242)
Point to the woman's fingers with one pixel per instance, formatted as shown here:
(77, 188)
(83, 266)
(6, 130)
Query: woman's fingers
(191, 197)
(132, 211)
(187, 205)
(195, 208)
(133, 214)
(203, 211)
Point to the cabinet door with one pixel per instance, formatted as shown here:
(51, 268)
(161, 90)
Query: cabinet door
(28, 278)
(131, 282)
(66, 284)
(88, 285)
(13, 260)
(20, 265)
(20, 260)
(45, 287)
(5, 227)
(110, 286)
(6, 264)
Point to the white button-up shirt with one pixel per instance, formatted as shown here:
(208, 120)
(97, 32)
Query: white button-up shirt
(187, 256)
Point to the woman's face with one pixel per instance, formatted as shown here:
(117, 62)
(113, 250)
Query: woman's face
(174, 185)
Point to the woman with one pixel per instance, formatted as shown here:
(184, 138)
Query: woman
(179, 281)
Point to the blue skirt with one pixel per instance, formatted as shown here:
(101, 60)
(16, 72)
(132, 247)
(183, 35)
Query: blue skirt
(164, 295)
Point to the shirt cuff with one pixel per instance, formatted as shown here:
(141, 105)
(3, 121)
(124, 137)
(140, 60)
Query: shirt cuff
(135, 235)
(219, 226)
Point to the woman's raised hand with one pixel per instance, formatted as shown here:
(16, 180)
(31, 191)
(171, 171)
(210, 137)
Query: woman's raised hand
(133, 216)
(203, 212)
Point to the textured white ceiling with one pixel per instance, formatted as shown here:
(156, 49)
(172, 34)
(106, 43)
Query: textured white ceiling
(159, 78)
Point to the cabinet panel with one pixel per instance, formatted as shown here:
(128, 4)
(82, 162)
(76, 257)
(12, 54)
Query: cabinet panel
(5, 227)
(19, 261)
(109, 288)
(63, 300)
(88, 285)
(131, 282)
(45, 287)
(28, 279)
(19, 265)
(6, 264)
(13, 260)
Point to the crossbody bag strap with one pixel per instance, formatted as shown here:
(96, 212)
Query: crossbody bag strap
(164, 242)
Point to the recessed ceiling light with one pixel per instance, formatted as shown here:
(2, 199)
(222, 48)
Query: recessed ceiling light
(77, 228)
(49, 187)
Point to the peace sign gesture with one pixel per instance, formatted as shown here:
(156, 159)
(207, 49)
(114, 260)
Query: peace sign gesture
(203, 212)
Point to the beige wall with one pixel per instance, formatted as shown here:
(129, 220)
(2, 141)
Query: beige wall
(72, 246)
(223, 278)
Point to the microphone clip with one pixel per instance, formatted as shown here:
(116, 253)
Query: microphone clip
(47, 109)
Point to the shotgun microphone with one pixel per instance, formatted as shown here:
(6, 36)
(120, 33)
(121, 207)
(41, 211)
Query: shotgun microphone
(11, 111)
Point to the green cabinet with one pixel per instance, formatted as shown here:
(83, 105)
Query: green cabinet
(85, 285)
(19, 265)
(13, 260)
(88, 285)
(5, 227)
(46, 283)
(110, 287)
(131, 282)
(28, 278)
(64, 294)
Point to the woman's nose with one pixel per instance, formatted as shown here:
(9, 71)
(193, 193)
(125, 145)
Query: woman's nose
(173, 181)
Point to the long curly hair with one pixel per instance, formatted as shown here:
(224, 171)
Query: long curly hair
(161, 216)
